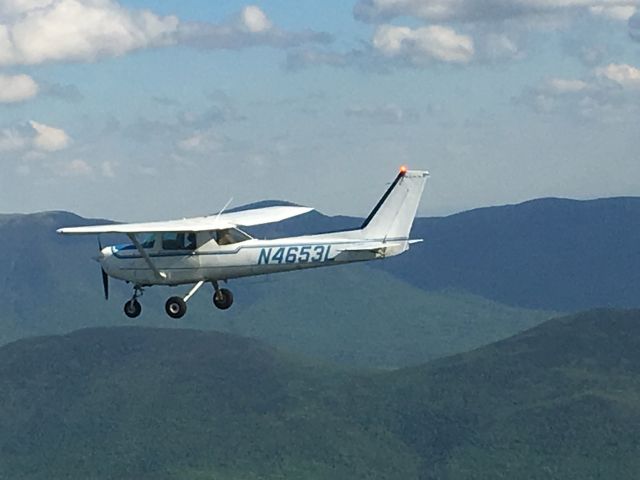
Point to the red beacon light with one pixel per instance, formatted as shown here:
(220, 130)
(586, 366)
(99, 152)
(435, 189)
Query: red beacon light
(403, 169)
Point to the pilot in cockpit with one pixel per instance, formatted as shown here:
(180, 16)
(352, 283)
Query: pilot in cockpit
(190, 241)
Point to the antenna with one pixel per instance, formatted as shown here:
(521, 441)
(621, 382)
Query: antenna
(224, 208)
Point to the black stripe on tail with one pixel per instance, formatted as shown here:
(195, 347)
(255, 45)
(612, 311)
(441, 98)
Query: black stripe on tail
(382, 200)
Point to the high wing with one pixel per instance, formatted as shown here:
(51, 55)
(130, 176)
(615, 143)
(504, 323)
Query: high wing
(245, 218)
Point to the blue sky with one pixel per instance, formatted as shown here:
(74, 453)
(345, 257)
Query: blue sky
(140, 110)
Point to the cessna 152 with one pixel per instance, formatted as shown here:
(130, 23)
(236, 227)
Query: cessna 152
(213, 248)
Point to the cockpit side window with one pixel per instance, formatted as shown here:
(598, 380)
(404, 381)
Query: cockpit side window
(148, 241)
(179, 241)
(229, 236)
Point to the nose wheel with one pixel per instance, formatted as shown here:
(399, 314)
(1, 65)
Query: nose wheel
(132, 308)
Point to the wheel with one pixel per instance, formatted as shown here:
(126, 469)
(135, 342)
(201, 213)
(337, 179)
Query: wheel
(175, 307)
(132, 308)
(223, 298)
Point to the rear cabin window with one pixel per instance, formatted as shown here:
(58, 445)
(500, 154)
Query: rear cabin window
(179, 241)
(229, 236)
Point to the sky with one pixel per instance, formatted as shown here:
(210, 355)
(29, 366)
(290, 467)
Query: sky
(137, 110)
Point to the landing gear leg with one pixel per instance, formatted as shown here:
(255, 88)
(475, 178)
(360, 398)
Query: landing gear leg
(132, 308)
(176, 307)
(222, 297)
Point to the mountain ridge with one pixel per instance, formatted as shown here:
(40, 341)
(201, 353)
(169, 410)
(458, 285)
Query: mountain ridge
(561, 397)
(341, 314)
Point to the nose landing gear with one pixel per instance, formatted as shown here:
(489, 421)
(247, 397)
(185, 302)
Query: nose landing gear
(132, 308)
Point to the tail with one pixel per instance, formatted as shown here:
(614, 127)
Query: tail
(393, 216)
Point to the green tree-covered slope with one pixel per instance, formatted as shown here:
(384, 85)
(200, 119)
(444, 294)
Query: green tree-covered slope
(559, 401)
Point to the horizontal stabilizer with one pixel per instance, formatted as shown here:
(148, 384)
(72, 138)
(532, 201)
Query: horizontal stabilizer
(372, 247)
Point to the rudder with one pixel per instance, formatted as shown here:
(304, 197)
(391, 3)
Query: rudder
(392, 217)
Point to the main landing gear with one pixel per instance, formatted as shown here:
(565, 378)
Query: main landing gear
(176, 307)
(222, 297)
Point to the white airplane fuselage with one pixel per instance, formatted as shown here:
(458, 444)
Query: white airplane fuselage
(211, 262)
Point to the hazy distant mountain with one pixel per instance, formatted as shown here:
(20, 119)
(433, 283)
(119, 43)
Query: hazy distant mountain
(559, 401)
(553, 254)
(547, 254)
(354, 315)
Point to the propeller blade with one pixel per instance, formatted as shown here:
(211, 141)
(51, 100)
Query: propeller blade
(105, 284)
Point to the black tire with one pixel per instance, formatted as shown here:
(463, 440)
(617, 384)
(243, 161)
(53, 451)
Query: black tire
(132, 308)
(175, 307)
(223, 298)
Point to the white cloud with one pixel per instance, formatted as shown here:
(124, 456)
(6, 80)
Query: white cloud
(433, 42)
(563, 85)
(203, 141)
(17, 88)
(490, 26)
(79, 30)
(38, 31)
(496, 46)
(623, 75)
(621, 12)
(607, 93)
(255, 20)
(49, 139)
(16, 7)
(250, 28)
(400, 46)
(487, 10)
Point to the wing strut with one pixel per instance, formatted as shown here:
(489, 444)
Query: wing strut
(146, 256)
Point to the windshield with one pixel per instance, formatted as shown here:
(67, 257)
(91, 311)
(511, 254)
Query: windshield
(229, 236)
(147, 242)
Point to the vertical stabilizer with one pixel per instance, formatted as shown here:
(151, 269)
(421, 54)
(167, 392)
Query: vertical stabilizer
(393, 216)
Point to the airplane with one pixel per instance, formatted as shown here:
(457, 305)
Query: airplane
(214, 249)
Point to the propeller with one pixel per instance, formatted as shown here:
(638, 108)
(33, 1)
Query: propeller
(105, 277)
(105, 284)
